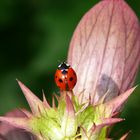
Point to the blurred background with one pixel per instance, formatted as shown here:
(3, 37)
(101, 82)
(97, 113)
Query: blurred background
(34, 37)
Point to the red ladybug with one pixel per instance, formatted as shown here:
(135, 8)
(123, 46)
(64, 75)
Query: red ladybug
(65, 77)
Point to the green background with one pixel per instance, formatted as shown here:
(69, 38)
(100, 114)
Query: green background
(34, 37)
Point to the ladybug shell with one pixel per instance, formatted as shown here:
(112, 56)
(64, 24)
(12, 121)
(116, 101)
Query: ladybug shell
(65, 81)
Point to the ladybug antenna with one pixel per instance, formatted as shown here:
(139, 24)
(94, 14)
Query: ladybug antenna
(66, 62)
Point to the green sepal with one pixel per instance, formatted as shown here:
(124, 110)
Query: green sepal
(86, 118)
(46, 127)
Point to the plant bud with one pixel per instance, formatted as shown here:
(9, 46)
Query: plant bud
(105, 50)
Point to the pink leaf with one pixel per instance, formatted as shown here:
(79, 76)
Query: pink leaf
(9, 132)
(116, 103)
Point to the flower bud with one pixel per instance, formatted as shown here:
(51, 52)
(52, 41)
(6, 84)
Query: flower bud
(104, 50)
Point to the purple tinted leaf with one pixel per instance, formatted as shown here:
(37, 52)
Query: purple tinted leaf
(9, 132)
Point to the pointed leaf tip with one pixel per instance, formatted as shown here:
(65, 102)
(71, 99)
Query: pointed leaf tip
(45, 101)
(116, 102)
(106, 122)
(27, 113)
(125, 136)
(110, 121)
(69, 106)
(53, 102)
(33, 101)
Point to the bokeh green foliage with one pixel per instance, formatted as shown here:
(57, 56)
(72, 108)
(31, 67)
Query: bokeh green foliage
(34, 37)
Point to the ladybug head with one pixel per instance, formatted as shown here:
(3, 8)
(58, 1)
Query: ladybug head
(63, 66)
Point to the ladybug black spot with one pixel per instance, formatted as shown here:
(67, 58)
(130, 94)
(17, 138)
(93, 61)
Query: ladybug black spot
(55, 76)
(60, 80)
(71, 78)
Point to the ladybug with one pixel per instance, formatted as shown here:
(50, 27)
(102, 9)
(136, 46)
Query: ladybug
(65, 77)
